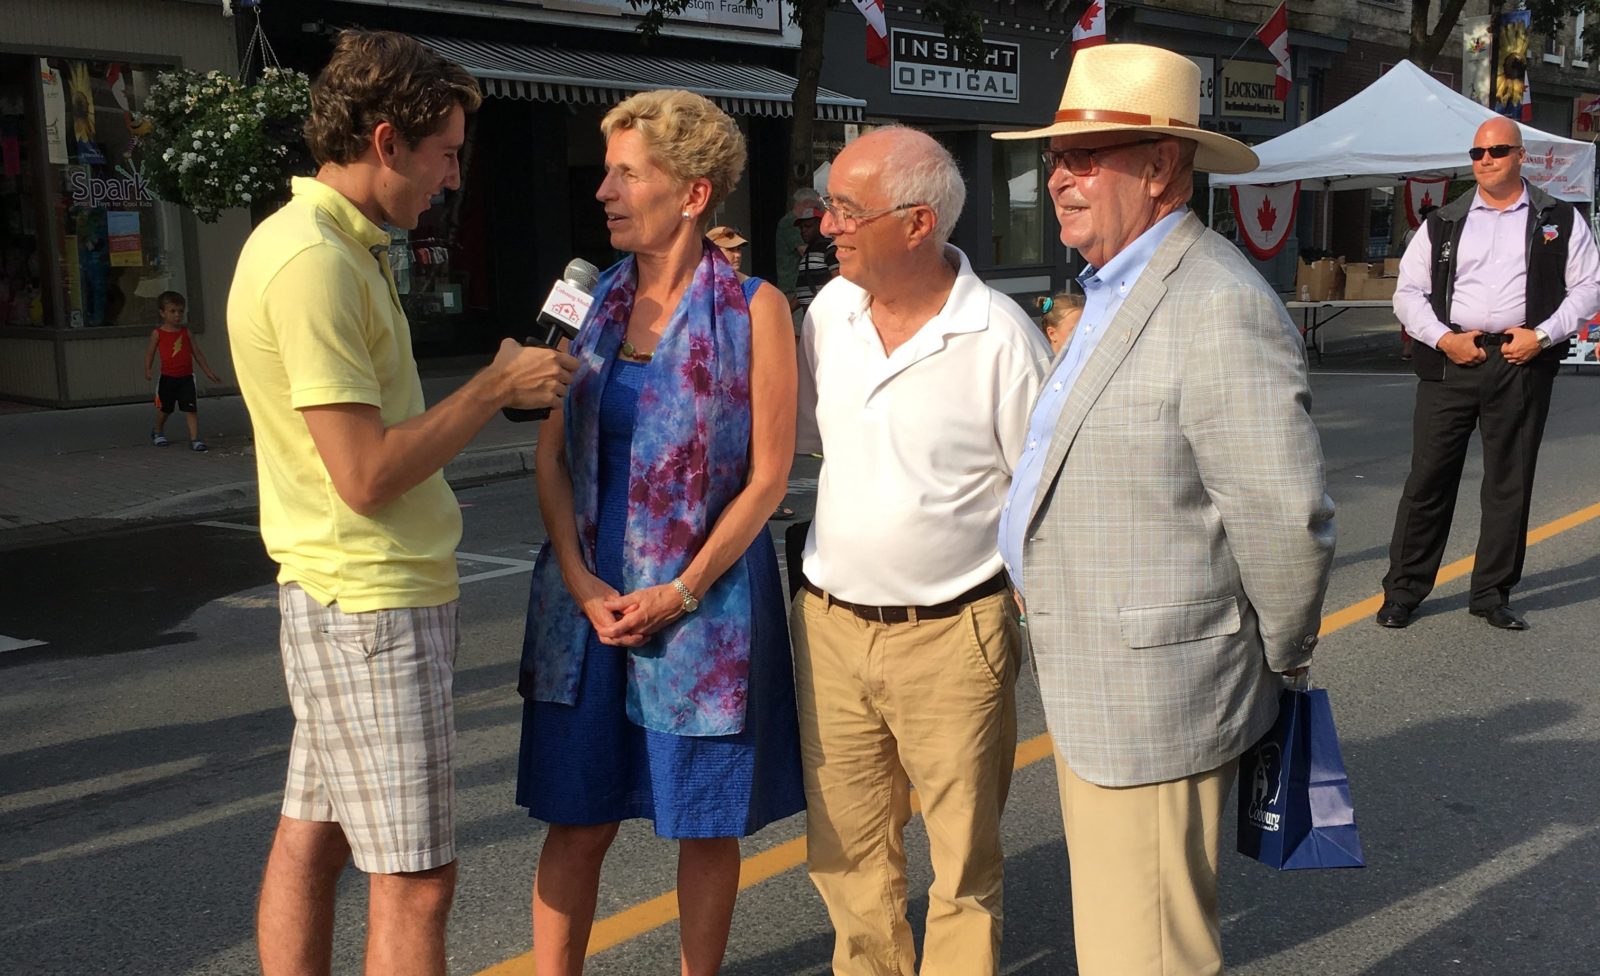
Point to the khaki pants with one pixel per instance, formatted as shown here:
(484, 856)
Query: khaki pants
(1144, 873)
(884, 707)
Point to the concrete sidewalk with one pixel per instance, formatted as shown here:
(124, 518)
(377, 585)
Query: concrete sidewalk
(91, 470)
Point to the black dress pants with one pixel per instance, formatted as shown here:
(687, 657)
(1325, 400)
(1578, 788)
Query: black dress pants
(1509, 405)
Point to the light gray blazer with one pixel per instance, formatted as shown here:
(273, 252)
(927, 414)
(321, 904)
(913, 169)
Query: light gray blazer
(1181, 537)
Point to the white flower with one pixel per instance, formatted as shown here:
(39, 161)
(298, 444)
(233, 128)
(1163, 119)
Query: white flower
(245, 197)
(197, 143)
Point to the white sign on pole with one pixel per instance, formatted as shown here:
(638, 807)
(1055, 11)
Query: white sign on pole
(1208, 84)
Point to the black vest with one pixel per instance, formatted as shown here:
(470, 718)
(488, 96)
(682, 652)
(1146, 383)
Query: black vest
(1546, 262)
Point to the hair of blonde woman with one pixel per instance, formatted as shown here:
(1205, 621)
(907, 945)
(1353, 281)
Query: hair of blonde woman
(687, 136)
(915, 168)
(1058, 307)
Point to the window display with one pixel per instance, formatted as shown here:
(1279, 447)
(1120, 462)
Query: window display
(117, 246)
(1019, 204)
(22, 296)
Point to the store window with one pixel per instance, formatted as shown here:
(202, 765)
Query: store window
(23, 247)
(109, 246)
(1018, 204)
(1380, 225)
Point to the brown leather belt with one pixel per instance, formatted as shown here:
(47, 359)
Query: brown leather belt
(900, 615)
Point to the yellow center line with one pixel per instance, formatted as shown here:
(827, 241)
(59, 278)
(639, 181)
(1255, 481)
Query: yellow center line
(647, 916)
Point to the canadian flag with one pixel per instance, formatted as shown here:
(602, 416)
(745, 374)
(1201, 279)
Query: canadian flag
(1525, 112)
(1090, 30)
(1423, 193)
(1265, 215)
(1275, 35)
(877, 31)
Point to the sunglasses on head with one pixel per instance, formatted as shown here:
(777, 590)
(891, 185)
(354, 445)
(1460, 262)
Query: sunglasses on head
(1498, 152)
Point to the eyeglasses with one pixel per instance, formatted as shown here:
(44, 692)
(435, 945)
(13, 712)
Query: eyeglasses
(850, 221)
(1081, 162)
(1498, 152)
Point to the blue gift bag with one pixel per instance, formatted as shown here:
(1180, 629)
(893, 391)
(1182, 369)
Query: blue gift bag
(1294, 796)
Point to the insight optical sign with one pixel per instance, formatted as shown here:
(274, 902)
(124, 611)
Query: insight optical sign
(930, 66)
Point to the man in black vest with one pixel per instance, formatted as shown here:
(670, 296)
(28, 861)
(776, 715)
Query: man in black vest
(1491, 288)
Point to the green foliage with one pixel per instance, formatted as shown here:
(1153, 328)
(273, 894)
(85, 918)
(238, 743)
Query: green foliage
(218, 144)
(1553, 17)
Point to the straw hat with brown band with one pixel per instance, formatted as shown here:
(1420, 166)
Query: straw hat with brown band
(1138, 88)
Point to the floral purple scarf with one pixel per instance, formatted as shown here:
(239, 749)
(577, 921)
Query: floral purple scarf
(691, 448)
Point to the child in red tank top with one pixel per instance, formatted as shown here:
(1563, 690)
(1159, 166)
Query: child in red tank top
(178, 353)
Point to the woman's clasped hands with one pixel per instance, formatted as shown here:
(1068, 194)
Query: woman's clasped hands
(626, 620)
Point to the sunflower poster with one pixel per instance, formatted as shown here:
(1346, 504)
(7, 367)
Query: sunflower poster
(1511, 71)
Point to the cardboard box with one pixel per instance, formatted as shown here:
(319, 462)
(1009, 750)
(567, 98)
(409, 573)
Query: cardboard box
(1391, 267)
(1380, 289)
(1319, 281)
(1355, 281)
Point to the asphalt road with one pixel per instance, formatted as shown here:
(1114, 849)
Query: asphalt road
(142, 752)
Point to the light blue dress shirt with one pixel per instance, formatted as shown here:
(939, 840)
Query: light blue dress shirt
(1104, 291)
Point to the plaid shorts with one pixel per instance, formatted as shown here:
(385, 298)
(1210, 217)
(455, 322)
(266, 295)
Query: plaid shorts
(374, 728)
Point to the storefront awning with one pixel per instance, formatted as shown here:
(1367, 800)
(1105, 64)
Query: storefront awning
(590, 78)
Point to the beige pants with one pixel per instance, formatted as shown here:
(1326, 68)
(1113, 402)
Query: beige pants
(884, 707)
(1144, 873)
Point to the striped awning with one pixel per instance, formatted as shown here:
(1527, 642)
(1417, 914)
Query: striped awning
(590, 78)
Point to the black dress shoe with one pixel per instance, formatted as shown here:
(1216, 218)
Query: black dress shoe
(1393, 614)
(1502, 617)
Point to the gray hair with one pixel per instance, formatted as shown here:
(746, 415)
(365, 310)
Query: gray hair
(920, 170)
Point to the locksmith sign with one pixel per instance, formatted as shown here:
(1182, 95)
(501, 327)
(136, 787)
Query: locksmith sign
(929, 65)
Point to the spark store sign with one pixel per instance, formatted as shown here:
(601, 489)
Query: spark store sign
(927, 65)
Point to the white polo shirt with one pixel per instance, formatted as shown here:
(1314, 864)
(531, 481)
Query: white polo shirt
(917, 446)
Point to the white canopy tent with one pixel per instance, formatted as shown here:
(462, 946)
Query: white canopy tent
(1406, 124)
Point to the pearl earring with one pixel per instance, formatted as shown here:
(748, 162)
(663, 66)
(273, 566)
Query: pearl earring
(686, 215)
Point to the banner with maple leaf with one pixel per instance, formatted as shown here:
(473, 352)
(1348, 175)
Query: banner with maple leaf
(1265, 216)
(1423, 193)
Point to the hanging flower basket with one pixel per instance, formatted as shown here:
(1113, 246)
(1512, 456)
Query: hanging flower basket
(217, 143)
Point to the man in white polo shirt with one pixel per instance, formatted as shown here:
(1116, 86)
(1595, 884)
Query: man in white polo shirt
(906, 640)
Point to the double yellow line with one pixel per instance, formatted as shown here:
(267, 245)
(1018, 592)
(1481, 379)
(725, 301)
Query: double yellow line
(647, 916)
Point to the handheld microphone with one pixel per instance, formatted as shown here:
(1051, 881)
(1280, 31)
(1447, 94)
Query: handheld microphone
(560, 316)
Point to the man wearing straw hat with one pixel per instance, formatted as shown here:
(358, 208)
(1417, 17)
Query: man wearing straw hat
(1167, 525)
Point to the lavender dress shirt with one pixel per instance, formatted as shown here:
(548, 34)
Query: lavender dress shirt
(1492, 277)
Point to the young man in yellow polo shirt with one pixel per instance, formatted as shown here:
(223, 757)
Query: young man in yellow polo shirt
(355, 509)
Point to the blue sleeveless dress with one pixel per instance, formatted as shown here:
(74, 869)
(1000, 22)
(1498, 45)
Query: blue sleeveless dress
(586, 764)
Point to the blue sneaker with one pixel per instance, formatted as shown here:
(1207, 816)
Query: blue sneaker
(158, 439)
(197, 446)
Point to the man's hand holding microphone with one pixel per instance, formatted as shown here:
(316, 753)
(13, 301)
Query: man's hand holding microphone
(559, 318)
(532, 378)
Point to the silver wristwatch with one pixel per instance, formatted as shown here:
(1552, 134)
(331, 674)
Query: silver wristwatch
(690, 604)
(1543, 337)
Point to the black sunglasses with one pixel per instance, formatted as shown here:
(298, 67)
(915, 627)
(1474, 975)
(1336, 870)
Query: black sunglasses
(1498, 152)
(1082, 162)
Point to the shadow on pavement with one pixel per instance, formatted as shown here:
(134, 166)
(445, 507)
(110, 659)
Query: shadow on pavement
(63, 593)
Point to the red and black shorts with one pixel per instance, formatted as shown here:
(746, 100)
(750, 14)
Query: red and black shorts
(175, 391)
